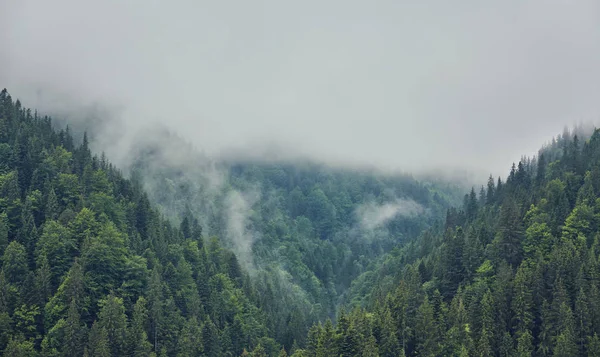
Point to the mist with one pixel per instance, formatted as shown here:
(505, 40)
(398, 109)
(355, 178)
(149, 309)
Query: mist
(398, 85)
(371, 215)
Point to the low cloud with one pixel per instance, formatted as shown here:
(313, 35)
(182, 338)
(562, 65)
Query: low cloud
(396, 84)
(372, 215)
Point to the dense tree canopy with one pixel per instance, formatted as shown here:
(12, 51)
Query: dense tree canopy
(513, 273)
(291, 259)
(88, 267)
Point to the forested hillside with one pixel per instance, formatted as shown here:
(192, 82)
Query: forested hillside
(305, 231)
(88, 267)
(515, 272)
(245, 256)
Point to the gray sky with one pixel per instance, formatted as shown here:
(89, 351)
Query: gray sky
(402, 84)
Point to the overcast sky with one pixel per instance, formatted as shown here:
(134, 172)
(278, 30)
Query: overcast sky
(406, 84)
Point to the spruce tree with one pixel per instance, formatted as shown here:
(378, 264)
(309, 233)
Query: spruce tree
(98, 343)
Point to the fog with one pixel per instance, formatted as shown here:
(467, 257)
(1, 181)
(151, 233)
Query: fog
(371, 215)
(408, 85)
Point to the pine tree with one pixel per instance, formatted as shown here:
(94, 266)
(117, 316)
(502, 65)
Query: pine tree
(259, 351)
(541, 170)
(593, 348)
(189, 342)
(312, 340)
(525, 344)
(43, 281)
(389, 345)
(326, 346)
(507, 348)
(19, 348)
(565, 344)
(471, 205)
(113, 320)
(522, 302)
(510, 233)
(98, 343)
(6, 293)
(582, 320)
(14, 263)
(3, 232)
(74, 332)
(185, 228)
(210, 339)
(155, 300)
(486, 339)
(370, 348)
(425, 330)
(137, 338)
(586, 194)
(452, 260)
(491, 191)
(52, 207)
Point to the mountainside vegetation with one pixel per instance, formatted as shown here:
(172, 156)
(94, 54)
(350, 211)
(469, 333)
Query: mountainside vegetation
(514, 272)
(239, 258)
(305, 231)
(88, 267)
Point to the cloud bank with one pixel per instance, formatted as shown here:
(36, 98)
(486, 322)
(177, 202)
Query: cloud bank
(397, 84)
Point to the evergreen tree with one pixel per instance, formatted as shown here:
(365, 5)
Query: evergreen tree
(52, 207)
(259, 351)
(510, 233)
(486, 339)
(593, 349)
(155, 300)
(137, 338)
(3, 232)
(43, 281)
(425, 330)
(491, 191)
(388, 342)
(98, 343)
(210, 339)
(14, 263)
(525, 344)
(113, 320)
(74, 332)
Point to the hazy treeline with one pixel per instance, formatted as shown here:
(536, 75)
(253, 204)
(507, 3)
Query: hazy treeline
(90, 267)
(514, 272)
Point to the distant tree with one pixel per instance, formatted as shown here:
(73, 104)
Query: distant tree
(425, 330)
(14, 263)
(113, 320)
(74, 332)
(98, 343)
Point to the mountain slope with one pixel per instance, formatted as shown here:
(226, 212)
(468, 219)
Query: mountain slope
(88, 266)
(303, 230)
(515, 272)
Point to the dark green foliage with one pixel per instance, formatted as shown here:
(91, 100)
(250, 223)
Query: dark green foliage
(515, 274)
(88, 267)
(98, 343)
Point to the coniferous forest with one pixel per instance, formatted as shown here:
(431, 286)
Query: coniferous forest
(95, 262)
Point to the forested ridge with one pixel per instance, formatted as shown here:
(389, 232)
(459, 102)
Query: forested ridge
(514, 272)
(96, 264)
(303, 230)
(88, 267)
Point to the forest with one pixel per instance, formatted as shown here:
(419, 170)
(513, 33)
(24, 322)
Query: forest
(290, 259)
